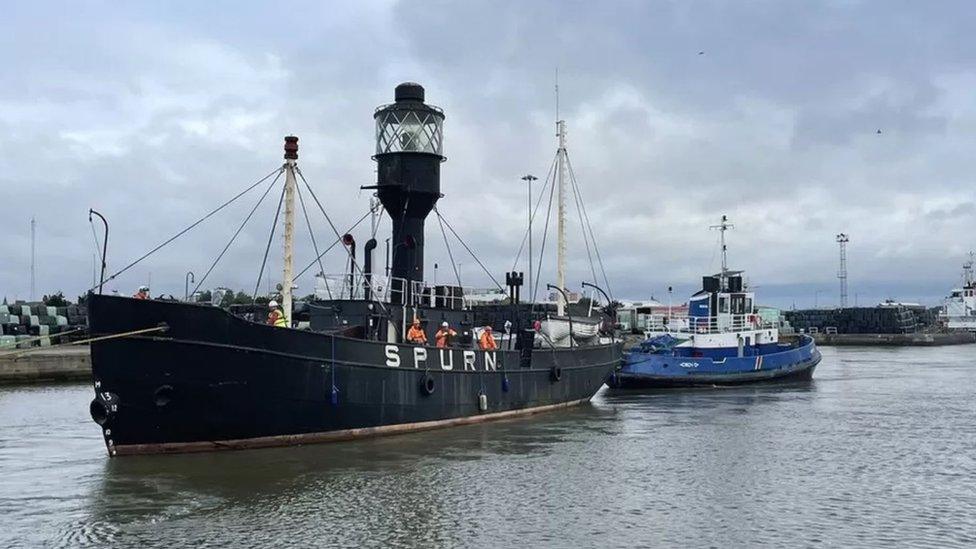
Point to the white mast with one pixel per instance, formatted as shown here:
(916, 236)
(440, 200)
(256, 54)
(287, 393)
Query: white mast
(561, 218)
(291, 155)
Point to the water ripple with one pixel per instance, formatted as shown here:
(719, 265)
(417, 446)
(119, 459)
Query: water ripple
(879, 450)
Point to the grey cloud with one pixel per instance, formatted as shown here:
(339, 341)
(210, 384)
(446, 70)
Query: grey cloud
(154, 113)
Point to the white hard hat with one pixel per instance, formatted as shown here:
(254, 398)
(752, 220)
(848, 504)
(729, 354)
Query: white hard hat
(144, 288)
(444, 324)
(272, 303)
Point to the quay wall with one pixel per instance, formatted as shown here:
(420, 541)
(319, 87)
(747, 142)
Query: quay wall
(67, 364)
(895, 340)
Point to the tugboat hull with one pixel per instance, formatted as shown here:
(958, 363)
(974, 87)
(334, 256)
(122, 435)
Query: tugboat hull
(650, 371)
(214, 381)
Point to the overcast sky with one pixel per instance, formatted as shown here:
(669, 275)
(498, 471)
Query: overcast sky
(677, 112)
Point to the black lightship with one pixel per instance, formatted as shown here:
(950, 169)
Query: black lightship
(179, 377)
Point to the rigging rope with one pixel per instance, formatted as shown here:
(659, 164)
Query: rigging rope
(199, 221)
(89, 340)
(450, 256)
(482, 265)
(98, 248)
(338, 240)
(315, 245)
(268, 249)
(542, 252)
(589, 226)
(239, 229)
(348, 252)
(579, 213)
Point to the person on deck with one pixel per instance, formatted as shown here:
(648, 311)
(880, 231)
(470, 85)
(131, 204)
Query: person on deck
(416, 334)
(444, 335)
(275, 316)
(143, 293)
(487, 340)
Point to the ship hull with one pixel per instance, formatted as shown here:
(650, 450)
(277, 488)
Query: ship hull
(653, 371)
(214, 381)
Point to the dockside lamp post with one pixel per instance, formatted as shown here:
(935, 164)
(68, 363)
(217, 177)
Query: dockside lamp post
(186, 285)
(670, 301)
(529, 179)
(101, 279)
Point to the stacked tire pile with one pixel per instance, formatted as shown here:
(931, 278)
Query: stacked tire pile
(24, 325)
(857, 320)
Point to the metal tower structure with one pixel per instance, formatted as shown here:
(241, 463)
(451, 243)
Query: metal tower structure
(842, 240)
(967, 270)
(722, 227)
(33, 265)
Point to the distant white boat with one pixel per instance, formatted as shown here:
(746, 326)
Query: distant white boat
(959, 309)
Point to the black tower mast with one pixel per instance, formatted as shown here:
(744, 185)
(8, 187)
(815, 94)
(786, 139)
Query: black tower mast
(409, 152)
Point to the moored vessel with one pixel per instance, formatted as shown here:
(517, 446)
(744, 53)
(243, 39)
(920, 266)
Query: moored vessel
(959, 309)
(175, 377)
(721, 340)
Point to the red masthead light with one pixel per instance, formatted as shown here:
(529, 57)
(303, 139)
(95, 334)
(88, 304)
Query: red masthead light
(291, 148)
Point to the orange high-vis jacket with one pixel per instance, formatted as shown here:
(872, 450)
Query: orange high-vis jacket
(416, 335)
(441, 337)
(141, 295)
(487, 341)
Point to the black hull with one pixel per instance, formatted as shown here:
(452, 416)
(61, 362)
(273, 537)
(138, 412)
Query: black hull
(214, 381)
(804, 372)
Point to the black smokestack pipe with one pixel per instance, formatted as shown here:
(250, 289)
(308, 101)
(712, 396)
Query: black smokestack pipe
(350, 242)
(409, 152)
(368, 268)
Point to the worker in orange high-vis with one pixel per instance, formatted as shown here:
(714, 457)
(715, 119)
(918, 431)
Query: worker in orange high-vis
(143, 293)
(443, 336)
(487, 340)
(416, 334)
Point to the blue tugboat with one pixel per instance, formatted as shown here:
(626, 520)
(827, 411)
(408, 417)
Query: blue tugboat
(721, 341)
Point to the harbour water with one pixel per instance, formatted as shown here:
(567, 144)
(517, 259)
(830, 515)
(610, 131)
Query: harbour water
(879, 450)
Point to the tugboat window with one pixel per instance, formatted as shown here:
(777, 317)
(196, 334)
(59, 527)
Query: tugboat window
(723, 304)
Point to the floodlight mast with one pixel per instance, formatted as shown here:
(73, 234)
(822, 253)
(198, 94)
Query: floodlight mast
(842, 240)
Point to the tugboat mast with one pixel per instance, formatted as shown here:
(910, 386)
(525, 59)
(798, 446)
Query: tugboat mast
(561, 218)
(722, 227)
(291, 155)
(967, 270)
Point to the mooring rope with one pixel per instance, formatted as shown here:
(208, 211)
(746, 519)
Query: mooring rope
(162, 328)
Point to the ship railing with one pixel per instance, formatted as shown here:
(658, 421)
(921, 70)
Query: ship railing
(393, 290)
(685, 324)
(339, 286)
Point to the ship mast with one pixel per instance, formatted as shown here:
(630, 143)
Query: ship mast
(722, 227)
(561, 218)
(967, 270)
(291, 155)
